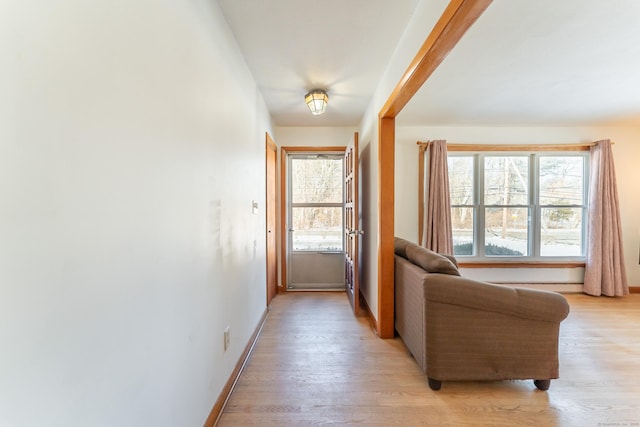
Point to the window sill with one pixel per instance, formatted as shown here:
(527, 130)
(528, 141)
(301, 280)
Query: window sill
(521, 264)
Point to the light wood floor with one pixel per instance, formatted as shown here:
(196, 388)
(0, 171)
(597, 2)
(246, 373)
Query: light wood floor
(316, 364)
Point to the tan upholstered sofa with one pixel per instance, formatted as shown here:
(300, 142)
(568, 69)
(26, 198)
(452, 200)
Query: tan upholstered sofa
(459, 329)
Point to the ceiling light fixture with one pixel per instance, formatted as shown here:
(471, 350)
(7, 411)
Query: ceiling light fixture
(317, 100)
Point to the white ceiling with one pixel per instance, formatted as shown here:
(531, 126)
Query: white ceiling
(553, 62)
(292, 46)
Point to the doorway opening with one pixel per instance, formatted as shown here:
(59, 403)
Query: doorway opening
(315, 222)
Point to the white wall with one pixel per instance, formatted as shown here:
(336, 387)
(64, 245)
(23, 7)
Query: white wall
(626, 152)
(313, 136)
(131, 147)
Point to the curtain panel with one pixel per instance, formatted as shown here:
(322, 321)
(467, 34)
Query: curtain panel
(435, 219)
(605, 272)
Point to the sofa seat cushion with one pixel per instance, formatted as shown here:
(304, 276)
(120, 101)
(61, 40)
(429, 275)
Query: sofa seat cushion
(430, 261)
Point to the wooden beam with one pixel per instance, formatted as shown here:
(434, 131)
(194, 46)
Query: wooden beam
(386, 207)
(454, 22)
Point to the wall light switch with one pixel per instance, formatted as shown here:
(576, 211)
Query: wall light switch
(254, 207)
(227, 340)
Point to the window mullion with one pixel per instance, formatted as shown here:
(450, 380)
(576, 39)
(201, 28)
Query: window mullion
(586, 179)
(317, 205)
(479, 203)
(534, 200)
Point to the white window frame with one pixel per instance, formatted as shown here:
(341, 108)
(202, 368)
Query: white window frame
(533, 205)
(292, 205)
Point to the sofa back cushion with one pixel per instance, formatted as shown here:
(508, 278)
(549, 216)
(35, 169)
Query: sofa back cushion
(430, 261)
(400, 246)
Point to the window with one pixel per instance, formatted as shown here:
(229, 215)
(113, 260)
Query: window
(316, 202)
(519, 205)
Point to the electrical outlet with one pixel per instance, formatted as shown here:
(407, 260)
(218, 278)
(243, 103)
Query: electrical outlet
(226, 339)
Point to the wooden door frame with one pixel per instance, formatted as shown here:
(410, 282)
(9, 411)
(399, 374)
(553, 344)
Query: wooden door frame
(452, 25)
(271, 202)
(284, 151)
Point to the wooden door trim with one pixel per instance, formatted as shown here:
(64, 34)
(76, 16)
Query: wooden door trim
(452, 25)
(284, 151)
(271, 198)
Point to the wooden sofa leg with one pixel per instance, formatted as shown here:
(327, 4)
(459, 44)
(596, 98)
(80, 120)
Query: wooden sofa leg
(542, 384)
(434, 384)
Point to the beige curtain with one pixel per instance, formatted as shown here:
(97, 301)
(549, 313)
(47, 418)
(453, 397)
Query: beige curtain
(435, 230)
(605, 272)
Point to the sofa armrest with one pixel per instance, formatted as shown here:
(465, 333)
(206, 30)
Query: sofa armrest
(524, 303)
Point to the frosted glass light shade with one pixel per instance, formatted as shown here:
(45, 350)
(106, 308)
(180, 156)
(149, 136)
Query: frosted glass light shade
(317, 101)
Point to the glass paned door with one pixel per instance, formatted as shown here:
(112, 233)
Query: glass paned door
(316, 221)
